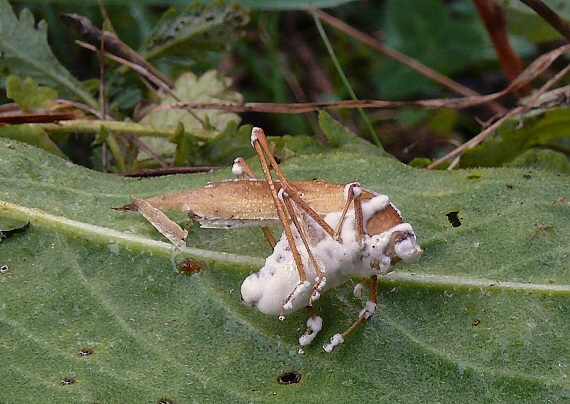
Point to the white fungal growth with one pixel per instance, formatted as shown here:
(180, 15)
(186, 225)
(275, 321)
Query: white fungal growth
(336, 340)
(254, 134)
(368, 310)
(276, 287)
(358, 290)
(314, 325)
(237, 169)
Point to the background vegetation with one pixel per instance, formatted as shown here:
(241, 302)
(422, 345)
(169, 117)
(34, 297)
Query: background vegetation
(95, 308)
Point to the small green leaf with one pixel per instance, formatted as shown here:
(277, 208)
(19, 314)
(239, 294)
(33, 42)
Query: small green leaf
(542, 159)
(31, 134)
(195, 34)
(232, 142)
(209, 87)
(28, 95)
(186, 146)
(341, 138)
(514, 137)
(25, 52)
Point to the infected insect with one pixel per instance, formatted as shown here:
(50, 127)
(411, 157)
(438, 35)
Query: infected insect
(331, 233)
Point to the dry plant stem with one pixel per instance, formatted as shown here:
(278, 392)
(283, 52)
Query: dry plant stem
(481, 136)
(530, 73)
(83, 27)
(493, 17)
(550, 16)
(157, 172)
(413, 64)
(136, 68)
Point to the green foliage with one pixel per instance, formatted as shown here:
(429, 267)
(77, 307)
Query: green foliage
(339, 137)
(26, 53)
(28, 95)
(483, 313)
(517, 135)
(194, 35)
(209, 87)
(428, 32)
(31, 134)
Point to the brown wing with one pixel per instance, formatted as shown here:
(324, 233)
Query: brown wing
(251, 199)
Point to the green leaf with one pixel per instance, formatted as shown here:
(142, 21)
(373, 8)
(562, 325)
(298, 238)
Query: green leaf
(483, 314)
(186, 146)
(209, 87)
(542, 159)
(341, 138)
(33, 135)
(28, 95)
(429, 32)
(195, 34)
(232, 142)
(25, 52)
(514, 136)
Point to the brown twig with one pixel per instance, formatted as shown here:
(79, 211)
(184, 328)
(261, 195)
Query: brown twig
(495, 22)
(157, 172)
(530, 73)
(529, 104)
(550, 16)
(83, 27)
(413, 64)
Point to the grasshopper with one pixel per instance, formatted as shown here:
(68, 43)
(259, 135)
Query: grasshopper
(331, 233)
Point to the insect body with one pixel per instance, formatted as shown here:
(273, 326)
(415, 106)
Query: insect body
(332, 233)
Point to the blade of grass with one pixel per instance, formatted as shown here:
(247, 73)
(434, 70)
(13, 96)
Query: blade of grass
(340, 72)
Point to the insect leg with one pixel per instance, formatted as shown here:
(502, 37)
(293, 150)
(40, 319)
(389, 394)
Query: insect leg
(170, 229)
(364, 314)
(241, 167)
(259, 142)
(320, 280)
(280, 207)
(314, 325)
(352, 192)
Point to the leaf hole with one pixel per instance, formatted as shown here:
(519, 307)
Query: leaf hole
(165, 400)
(86, 352)
(4, 269)
(67, 381)
(289, 377)
(453, 218)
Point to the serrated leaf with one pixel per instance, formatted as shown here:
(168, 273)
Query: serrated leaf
(483, 314)
(209, 87)
(29, 95)
(194, 34)
(25, 52)
(515, 136)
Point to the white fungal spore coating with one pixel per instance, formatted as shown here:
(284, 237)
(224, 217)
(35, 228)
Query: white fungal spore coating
(237, 169)
(276, 288)
(358, 290)
(368, 310)
(314, 325)
(254, 132)
(356, 190)
(336, 340)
